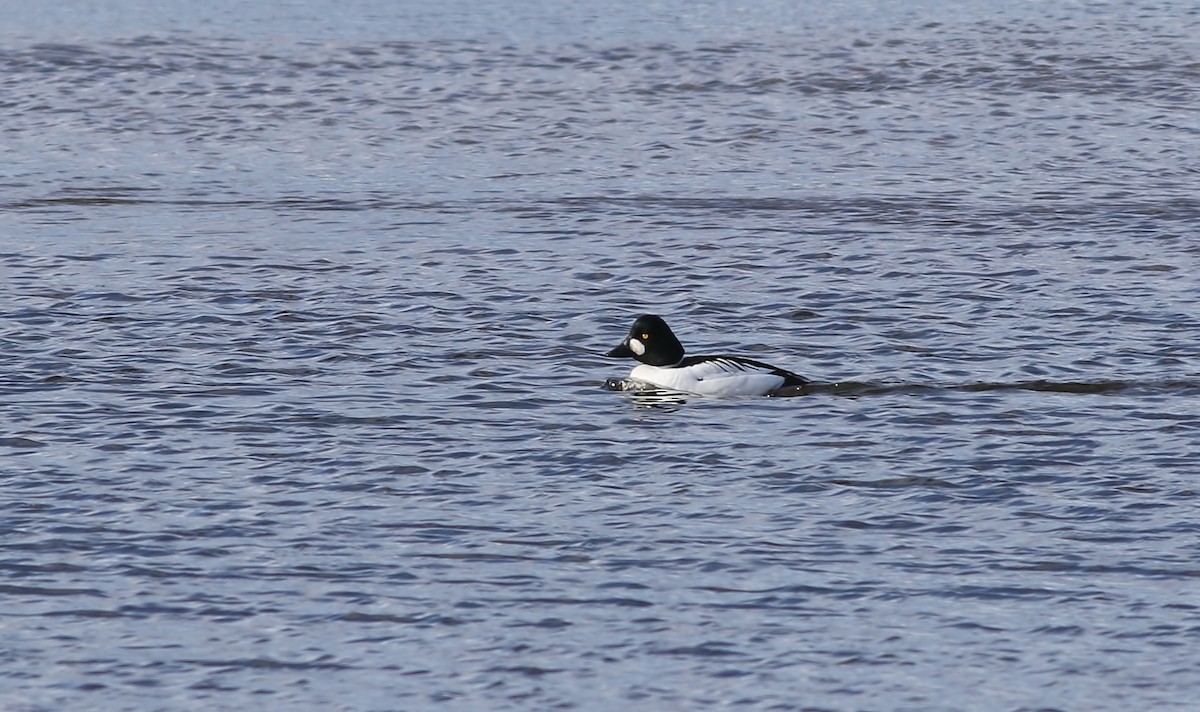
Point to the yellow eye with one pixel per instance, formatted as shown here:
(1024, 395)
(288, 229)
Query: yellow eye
(645, 336)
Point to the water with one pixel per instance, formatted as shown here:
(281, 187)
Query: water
(302, 392)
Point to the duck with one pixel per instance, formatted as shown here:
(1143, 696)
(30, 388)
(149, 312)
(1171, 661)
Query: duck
(663, 365)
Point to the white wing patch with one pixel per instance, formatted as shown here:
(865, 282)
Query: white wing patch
(719, 367)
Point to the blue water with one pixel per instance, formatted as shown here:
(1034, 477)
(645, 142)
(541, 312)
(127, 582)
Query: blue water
(302, 392)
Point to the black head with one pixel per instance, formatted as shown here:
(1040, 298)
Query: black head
(650, 341)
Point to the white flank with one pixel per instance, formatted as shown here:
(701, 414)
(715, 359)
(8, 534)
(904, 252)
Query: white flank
(718, 377)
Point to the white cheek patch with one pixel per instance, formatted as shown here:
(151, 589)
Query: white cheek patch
(637, 347)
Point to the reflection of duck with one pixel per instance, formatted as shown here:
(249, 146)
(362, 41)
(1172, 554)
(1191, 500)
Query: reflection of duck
(663, 365)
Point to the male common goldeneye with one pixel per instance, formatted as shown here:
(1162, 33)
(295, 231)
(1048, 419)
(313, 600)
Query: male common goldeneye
(663, 365)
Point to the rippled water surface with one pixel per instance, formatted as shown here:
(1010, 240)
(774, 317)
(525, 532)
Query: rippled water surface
(302, 384)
